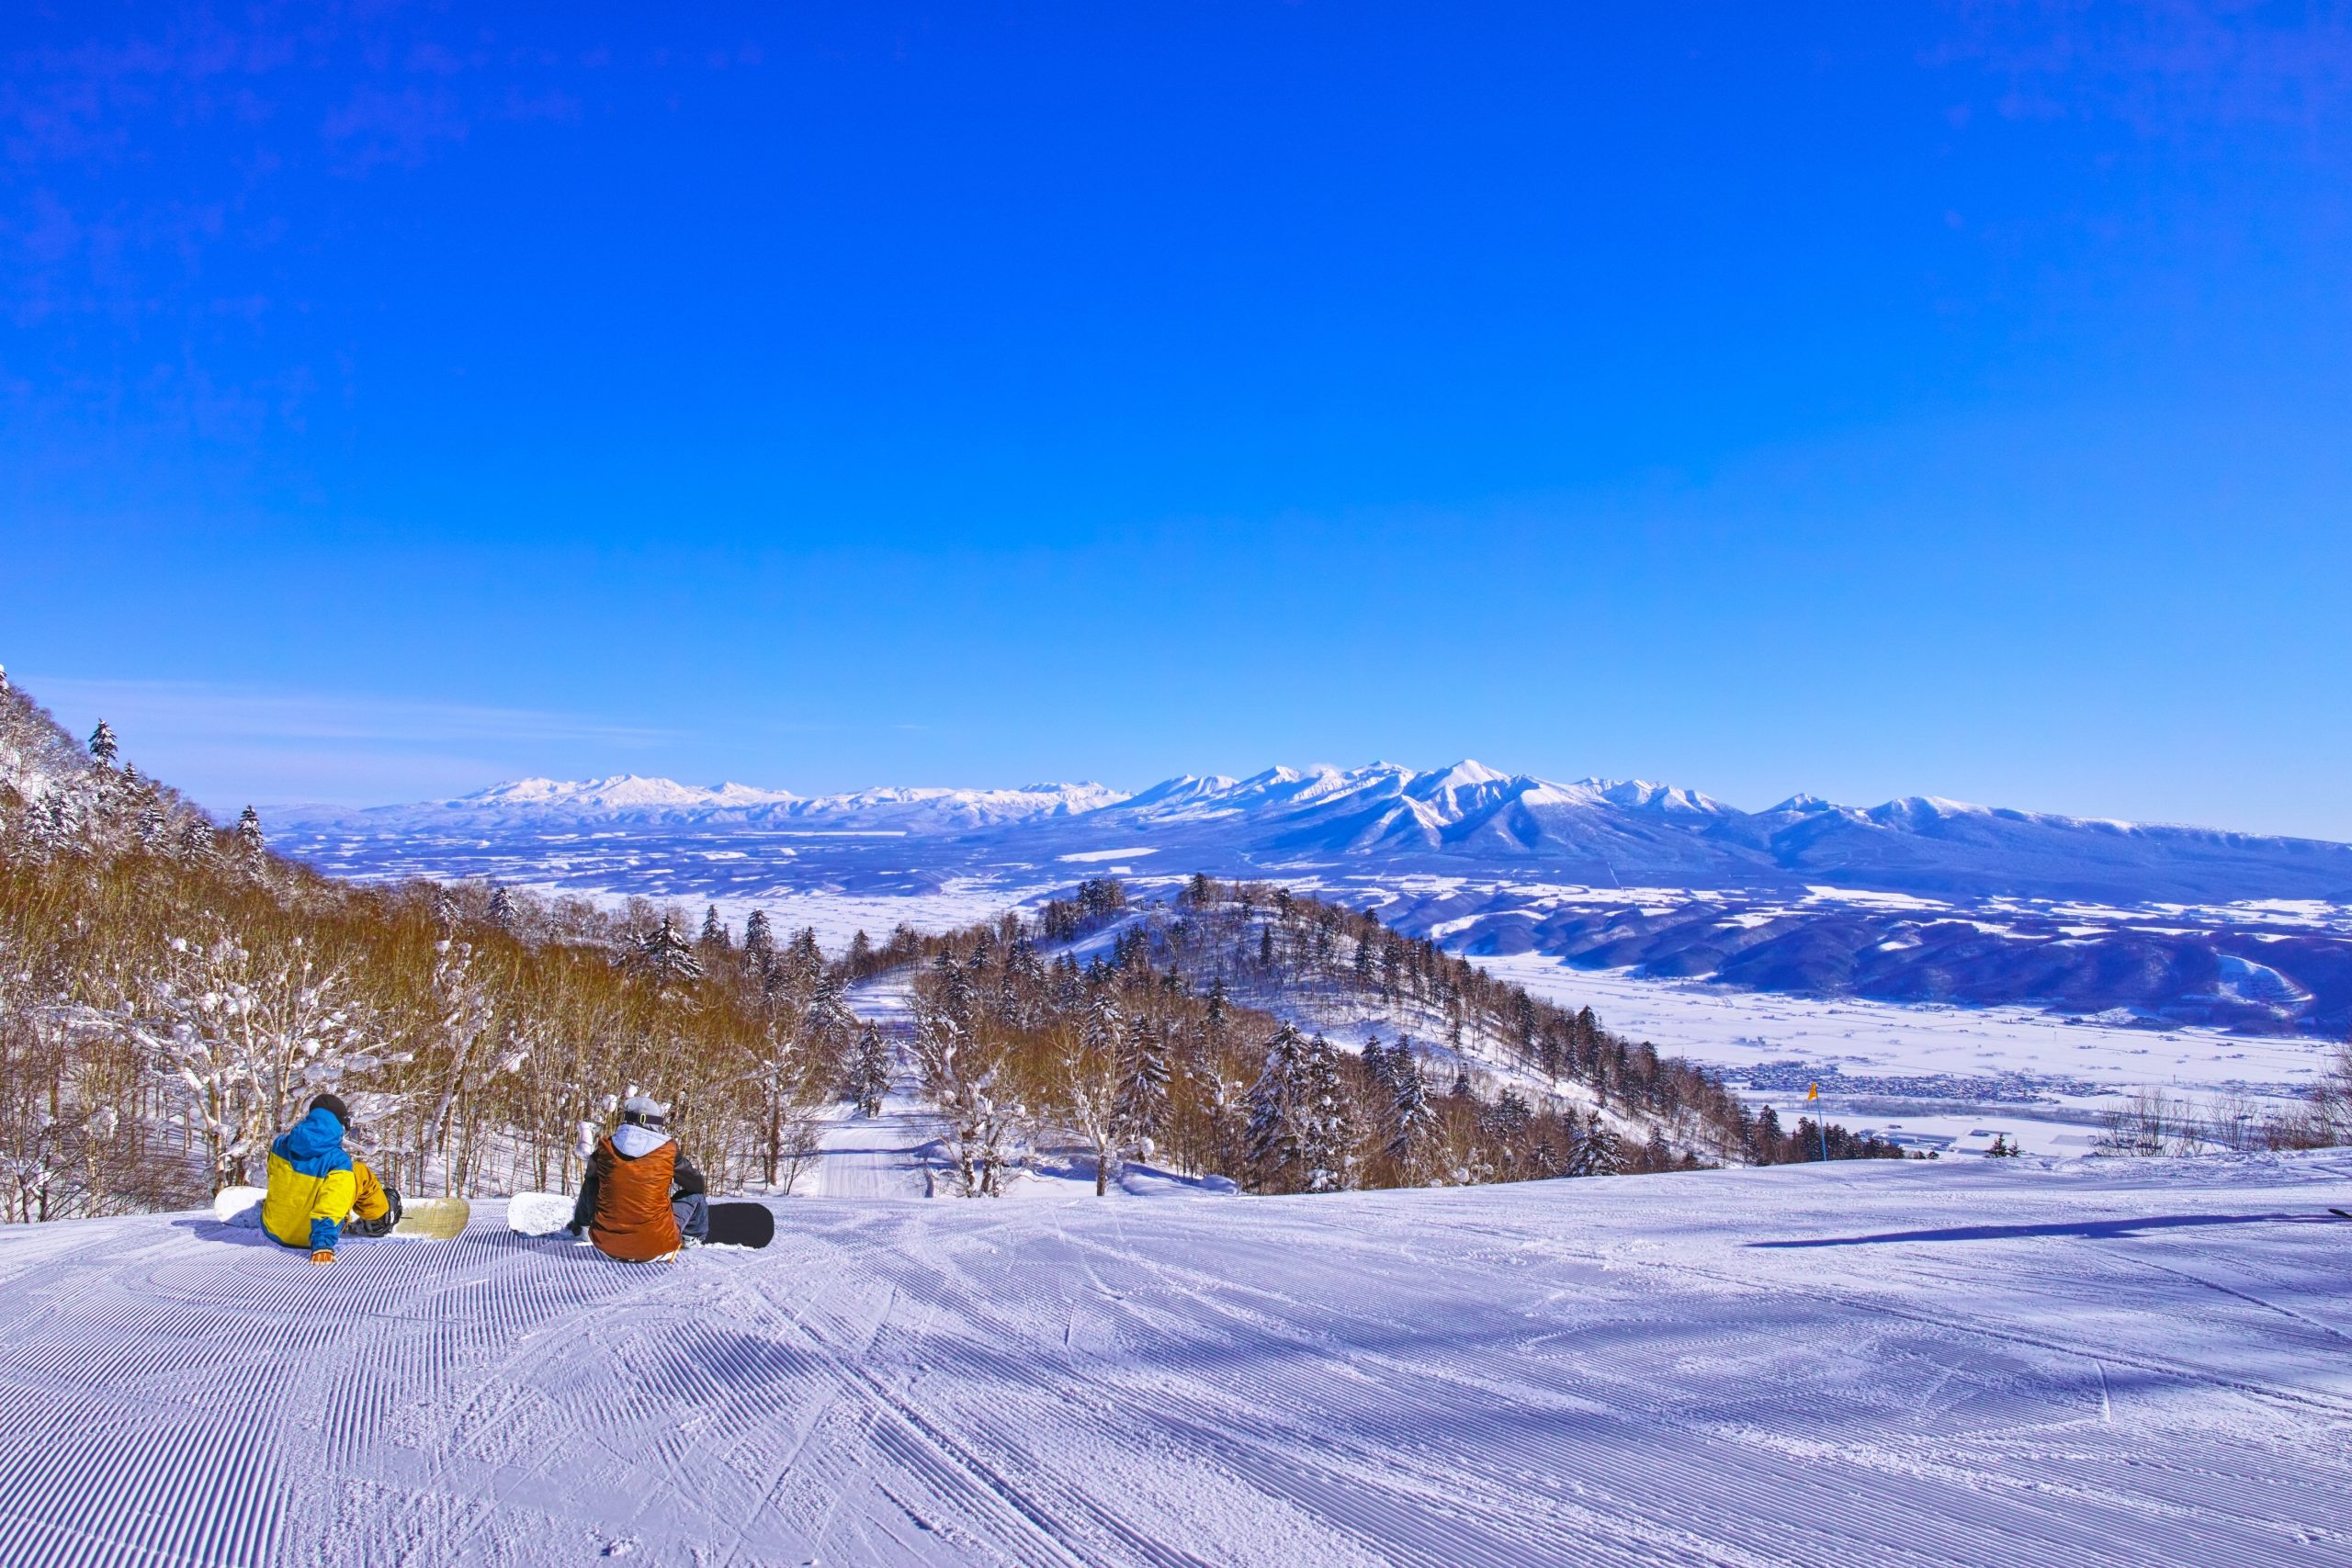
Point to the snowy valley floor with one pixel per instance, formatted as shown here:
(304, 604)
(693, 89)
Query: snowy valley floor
(1963, 1361)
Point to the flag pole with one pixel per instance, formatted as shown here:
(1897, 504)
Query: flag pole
(1813, 1095)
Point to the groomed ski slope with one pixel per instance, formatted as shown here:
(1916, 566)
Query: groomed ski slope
(1975, 1362)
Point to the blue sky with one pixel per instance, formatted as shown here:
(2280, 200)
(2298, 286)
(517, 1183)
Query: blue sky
(1891, 400)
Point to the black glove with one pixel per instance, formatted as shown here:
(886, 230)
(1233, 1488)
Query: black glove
(575, 1231)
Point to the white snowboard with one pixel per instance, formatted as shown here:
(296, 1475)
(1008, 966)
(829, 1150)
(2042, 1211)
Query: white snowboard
(538, 1213)
(432, 1219)
(239, 1206)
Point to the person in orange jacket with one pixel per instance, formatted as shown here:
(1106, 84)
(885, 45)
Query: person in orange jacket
(318, 1192)
(641, 1199)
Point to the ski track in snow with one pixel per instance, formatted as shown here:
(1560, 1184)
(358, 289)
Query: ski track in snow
(880, 1156)
(1997, 1362)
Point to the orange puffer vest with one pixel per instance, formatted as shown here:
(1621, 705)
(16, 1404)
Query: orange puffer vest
(634, 1222)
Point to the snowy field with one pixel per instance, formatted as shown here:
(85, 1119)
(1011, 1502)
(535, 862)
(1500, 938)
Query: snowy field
(1976, 1363)
(1939, 1076)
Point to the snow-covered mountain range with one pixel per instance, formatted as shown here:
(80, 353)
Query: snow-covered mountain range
(1597, 832)
(627, 798)
(1914, 900)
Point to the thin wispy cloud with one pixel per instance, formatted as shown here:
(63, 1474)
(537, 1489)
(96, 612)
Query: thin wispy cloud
(179, 709)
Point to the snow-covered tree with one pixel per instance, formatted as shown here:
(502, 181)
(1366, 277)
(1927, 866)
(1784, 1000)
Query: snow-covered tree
(665, 954)
(1088, 1084)
(1603, 1155)
(976, 1126)
(199, 845)
(465, 1007)
(248, 836)
(58, 1145)
(1277, 1131)
(247, 1028)
(1505, 1127)
(1325, 1163)
(759, 941)
(870, 1071)
(153, 824)
(1412, 1119)
(714, 932)
(502, 908)
(1143, 1086)
(103, 746)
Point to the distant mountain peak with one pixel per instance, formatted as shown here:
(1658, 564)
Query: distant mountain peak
(619, 790)
(1800, 803)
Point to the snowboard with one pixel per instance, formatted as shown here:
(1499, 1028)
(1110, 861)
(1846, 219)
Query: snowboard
(742, 1225)
(432, 1219)
(731, 1224)
(2341, 1213)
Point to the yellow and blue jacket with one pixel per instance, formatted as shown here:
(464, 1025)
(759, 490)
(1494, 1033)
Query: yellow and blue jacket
(311, 1184)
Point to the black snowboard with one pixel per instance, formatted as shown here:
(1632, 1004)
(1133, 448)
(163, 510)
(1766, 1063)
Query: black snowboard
(742, 1225)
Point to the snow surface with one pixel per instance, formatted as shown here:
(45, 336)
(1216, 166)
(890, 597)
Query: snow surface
(538, 1213)
(1997, 1362)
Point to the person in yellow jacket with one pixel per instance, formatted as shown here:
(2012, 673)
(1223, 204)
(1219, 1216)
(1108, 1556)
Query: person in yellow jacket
(317, 1192)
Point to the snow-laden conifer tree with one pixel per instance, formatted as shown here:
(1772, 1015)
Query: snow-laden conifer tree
(1507, 1124)
(502, 908)
(153, 825)
(1412, 1119)
(1326, 1164)
(665, 955)
(103, 746)
(1143, 1089)
(759, 941)
(1603, 1155)
(199, 845)
(1376, 1064)
(249, 838)
(714, 932)
(870, 1072)
(1277, 1112)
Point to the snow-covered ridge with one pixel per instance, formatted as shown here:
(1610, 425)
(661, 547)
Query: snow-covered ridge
(622, 792)
(1434, 797)
(627, 796)
(1388, 817)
